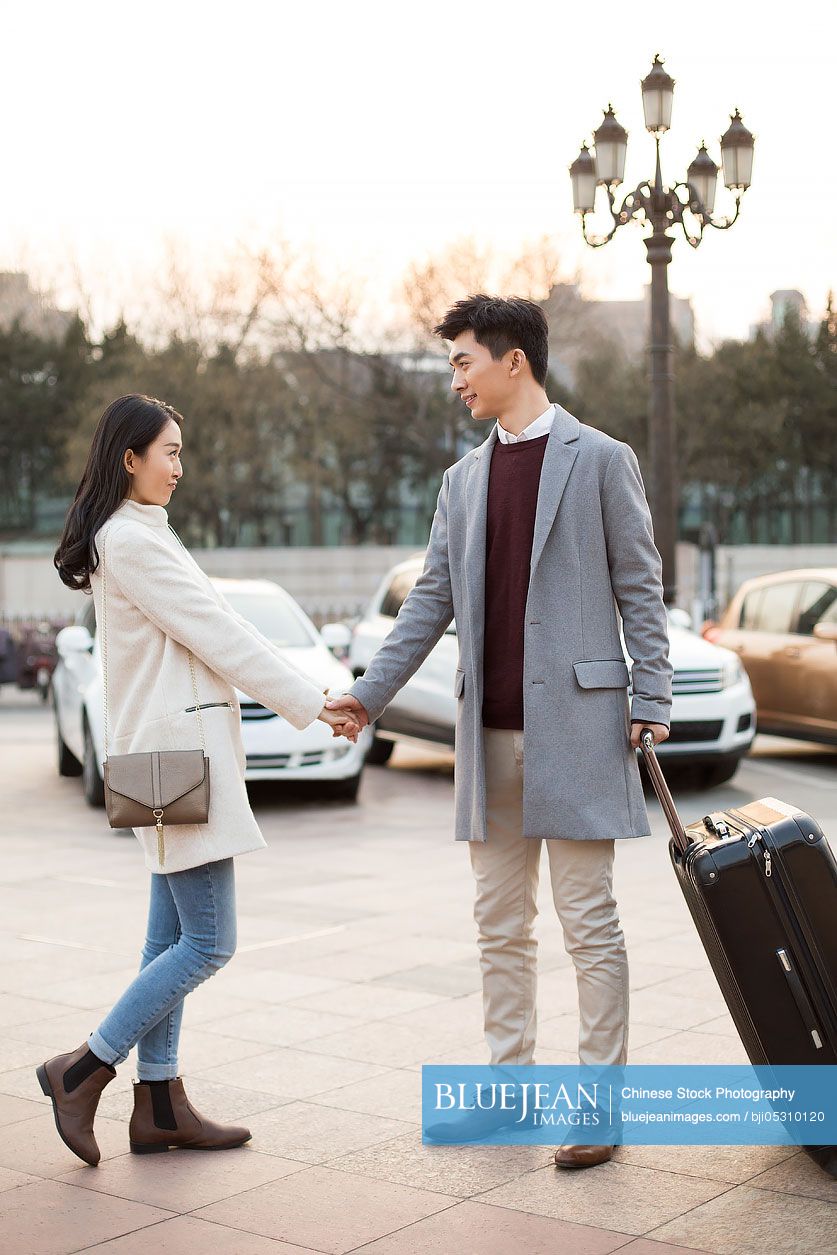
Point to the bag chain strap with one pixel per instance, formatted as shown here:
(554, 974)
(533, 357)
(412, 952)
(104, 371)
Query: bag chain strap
(105, 648)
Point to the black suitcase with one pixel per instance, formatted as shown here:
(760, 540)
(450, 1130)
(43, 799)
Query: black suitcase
(760, 882)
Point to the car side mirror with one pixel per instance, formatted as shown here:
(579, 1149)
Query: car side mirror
(337, 637)
(680, 618)
(74, 639)
(825, 631)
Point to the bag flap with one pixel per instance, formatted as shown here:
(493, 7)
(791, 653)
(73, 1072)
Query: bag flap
(602, 673)
(181, 771)
(176, 771)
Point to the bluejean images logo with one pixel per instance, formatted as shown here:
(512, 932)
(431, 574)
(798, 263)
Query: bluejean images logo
(638, 1104)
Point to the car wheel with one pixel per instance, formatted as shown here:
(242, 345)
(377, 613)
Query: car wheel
(68, 764)
(380, 751)
(94, 785)
(341, 790)
(719, 772)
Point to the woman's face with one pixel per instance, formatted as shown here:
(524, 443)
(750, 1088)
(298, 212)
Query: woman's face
(154, 477)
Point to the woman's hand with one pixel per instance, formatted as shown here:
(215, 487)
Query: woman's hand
(341, 722)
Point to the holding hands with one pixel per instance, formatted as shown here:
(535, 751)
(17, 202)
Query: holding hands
(345, 716)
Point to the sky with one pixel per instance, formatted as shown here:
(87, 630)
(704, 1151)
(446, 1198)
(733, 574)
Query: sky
(376, 134)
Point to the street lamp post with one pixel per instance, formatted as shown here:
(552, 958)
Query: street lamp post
(688, 205)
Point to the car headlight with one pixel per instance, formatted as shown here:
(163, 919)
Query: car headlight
(732, 671)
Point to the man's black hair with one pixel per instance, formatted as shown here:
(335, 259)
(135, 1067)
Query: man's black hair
(500, 324)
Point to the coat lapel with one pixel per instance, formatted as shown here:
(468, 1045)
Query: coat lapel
(561, 450)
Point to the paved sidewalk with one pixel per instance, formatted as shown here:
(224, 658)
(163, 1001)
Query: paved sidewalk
(356, 964)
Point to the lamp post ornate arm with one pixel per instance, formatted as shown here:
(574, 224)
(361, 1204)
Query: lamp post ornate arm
(682, 204)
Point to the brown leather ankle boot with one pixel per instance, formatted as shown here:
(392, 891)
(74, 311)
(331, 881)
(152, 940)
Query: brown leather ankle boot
(75, 1097)
(163, 1118)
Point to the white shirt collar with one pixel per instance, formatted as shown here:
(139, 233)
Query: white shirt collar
(539, 426)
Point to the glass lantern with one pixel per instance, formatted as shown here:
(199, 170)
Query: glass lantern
(657, 97)
(611, 142)
(583, 175)
(702, 177)
(737, 154)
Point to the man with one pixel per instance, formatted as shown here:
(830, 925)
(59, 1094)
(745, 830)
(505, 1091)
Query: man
(539, 535)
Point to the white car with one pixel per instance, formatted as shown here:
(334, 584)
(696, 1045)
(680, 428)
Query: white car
(712, 716)
(275, 749)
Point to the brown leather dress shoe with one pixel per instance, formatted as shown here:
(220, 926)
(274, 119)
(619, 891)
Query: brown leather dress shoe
(163, 1118)
(74, 1100)
(582, 1156)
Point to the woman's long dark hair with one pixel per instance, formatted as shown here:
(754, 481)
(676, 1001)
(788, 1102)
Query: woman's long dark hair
(130, 422)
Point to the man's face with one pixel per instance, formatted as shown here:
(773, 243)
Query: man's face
(485, 385)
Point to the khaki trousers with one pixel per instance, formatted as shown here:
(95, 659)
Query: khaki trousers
(506, 868)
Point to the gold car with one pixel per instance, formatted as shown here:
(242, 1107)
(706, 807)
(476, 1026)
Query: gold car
(784, 628)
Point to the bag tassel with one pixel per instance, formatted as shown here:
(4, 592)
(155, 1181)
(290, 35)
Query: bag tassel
(161, 849)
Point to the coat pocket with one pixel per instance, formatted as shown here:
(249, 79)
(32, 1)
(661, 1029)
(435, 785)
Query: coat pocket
(602, 673)
(458, 682)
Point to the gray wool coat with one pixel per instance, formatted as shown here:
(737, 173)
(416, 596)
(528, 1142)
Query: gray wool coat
(593, 560)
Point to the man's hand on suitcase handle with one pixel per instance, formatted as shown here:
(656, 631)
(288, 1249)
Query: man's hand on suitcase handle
(659, 731)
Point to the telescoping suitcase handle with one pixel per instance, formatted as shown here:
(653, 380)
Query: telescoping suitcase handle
(646, 741)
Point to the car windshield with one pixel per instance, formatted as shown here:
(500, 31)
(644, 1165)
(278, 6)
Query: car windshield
(274, 618)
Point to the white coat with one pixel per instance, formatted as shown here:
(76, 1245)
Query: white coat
(160, 605)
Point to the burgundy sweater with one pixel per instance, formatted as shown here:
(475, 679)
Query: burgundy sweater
(510, 525)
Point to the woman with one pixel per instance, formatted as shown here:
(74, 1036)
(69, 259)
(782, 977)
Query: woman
(163, 623)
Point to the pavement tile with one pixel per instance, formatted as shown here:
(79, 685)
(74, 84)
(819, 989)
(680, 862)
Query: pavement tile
(734, 1164)
(682, 954)
(34, 1146)
(181, 1181)
(456, 1015)
(205, 1003)
(16, 1010)
(389, 1043)
(395, 1095)
(14, 1109)
(364, 1002)
(355, 965)
(314, 1133)
(560, 1032)
(470, 1052)
(611, 1196)
(691, 1047)
(185, 1235)
(51, 1218)
(643, 973)
(11, 1180)
(30, 976)
(645, 1246)
(212, 1098)
(60, 1029)
(657, 1006)
(445, 979)
(277, 985)
(283, 1025)
(797, 1174)
(477, 1229)
(200, 1048)
(290, 1073)
(19, 1054)
(748, 1221)
(720, 1025)
(89, 990)
(330, 1211)
(458, 1170)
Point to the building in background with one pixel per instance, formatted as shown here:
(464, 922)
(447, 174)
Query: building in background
(784, 303)
(578, 326)
(19, 302)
